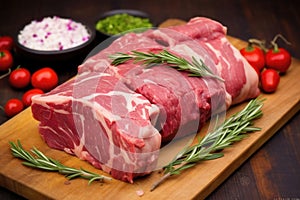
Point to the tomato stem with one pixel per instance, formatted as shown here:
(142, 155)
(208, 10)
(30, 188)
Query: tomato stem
(260, 43)
(249, 47)
(6, 74)
(275, 45)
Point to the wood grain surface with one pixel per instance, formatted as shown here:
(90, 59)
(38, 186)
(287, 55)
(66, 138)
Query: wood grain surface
(197, 182)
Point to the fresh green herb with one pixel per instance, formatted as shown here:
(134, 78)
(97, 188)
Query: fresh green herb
(120, 23)
(231, 130)
(196, 68)
(40, 161)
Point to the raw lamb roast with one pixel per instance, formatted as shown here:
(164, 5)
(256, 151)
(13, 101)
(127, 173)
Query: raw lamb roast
(117, 117)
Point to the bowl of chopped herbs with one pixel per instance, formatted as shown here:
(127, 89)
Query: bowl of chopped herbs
(117, 22)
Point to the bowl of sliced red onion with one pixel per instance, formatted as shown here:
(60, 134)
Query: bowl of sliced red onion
(54, 39)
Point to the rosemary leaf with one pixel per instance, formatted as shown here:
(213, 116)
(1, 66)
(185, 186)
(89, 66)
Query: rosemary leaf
(213, 156)
(94, 179)
(39, 154)
(183, 167)
(196, 68)
(231, 130)
(74, 175)
(41, 161)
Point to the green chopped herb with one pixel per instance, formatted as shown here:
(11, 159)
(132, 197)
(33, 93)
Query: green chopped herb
(120, 23)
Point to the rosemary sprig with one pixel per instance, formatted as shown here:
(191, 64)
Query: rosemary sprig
(231, 130)
(196, 68)
(40, 161)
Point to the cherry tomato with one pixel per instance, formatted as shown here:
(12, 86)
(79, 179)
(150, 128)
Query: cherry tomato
(6, 60)
(6, 42)
(26, 98)
(278, 59)
(45, 79)
(19, 78)
(269, 79)
(13, 107)
(255, 56)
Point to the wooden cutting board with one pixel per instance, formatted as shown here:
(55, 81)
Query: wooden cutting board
(197, 182)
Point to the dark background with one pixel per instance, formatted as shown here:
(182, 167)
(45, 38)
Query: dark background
(273, 171)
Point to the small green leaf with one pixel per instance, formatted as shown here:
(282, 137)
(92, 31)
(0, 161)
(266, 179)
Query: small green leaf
(214, 156)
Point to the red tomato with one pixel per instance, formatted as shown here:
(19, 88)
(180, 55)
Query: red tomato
(45, 79)
(20, 78)
(6, 42)
(269, 80)
(13, 107)
(26, 98)
(278, 59)
(255, 56)
(6, 60)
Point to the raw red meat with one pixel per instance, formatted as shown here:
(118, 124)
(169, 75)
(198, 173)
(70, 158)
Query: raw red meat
(97, 118)
(117, 117)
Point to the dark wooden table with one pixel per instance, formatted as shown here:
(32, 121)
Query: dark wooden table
(273, 172)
